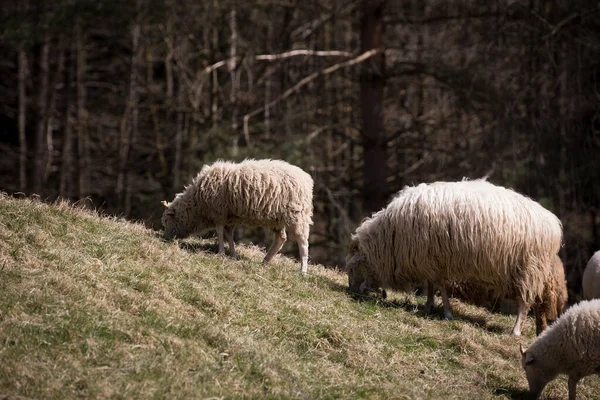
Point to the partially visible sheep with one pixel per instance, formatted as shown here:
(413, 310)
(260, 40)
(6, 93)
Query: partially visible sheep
(546, 309)
(570, 346)
(554, 298)
(457, 231)
(591, 278)
(266, 193)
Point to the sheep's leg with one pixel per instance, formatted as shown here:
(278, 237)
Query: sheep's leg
(541, 320)
(445, 301)
(220, 237)
(229, 229)
(573, 386)
(303, 250)
(300, 233)
(280, 238)
(430, 297)
(521, 316)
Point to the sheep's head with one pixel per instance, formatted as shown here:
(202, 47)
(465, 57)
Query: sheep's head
(172, 222)
(537, 376)
(360, 279)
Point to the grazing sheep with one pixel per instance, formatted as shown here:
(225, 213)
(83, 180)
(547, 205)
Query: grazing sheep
(546, 309)
(554, 298)
(570, 346)
(266, 193)
(591, 278)
(457, 231)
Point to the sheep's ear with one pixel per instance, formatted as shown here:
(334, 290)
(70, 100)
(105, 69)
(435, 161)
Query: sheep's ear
(352, 262)
(529, 358)
(164, 203)
(170, 211)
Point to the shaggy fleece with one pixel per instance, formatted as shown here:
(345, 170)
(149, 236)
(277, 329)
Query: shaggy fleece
(460, 231)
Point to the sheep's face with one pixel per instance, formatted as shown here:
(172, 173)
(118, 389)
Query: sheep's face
(359, 278)
(537, 376)
(171, 221)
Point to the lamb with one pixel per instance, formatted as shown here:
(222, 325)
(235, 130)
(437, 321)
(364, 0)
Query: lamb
(266, 193)
(591, 278)
(546, 309)
(457, 231)
(570, 346)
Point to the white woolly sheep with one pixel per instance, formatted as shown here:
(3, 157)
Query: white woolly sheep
(468, 231)
(591, 278)
(546, 309)
(570, 346)
(266, 193)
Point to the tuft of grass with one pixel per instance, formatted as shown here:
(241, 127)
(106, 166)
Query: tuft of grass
(98, 307)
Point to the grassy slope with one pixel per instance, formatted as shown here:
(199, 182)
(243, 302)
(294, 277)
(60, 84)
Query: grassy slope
(98, 307)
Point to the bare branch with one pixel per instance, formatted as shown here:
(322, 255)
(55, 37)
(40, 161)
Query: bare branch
(364, 56)
(194, 88)
(303, 52)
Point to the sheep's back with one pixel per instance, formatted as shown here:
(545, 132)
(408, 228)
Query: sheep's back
(576, 335)
(268, 193)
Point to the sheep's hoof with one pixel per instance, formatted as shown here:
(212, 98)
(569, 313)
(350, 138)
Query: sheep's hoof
(235, 256)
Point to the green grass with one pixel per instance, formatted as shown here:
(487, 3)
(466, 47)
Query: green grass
(98, 307)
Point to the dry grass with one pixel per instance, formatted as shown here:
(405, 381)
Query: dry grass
(97, 307)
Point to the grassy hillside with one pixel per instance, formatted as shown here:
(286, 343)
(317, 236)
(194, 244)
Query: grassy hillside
(98, 307)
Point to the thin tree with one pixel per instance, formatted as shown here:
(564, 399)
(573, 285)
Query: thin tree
(58, 76)
(372, 82)
(39, 148)
(66, 166)
(83, 149)
(22, 81)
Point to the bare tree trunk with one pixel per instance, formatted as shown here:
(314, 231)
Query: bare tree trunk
(134, 98)
(178, 164)
(22, 66)
(176, 171)
(58, 75)
(214, 82)
(214, 100)
(182, 124)
(372, 82)
(39, 148)
(66, 171)
(268, 88)
(233, 75)
(129, 131)
(83, 145)
(170, 55)
(207, 43)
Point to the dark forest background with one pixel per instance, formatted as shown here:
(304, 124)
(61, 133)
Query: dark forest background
(118, 104)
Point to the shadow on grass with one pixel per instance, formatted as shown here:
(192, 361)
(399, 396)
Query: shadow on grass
(195, 247)
(513, 393)
(418, 309)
